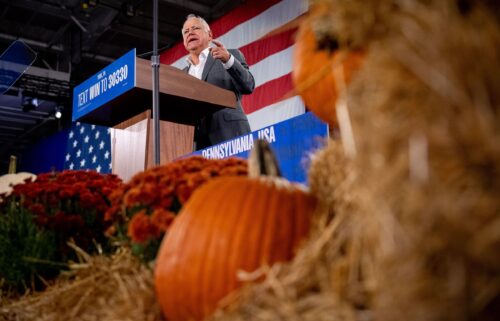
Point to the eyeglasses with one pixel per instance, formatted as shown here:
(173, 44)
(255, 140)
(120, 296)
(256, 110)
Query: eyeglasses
(193, 28)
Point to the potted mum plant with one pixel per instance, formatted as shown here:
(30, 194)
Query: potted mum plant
(39, 217)
(143, 209)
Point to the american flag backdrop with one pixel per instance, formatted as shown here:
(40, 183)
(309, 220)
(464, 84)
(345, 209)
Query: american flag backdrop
(89, 147)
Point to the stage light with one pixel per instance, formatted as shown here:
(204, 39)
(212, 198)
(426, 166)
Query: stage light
(29, 104)
(129, 10)
(85, 4)
(58, 112)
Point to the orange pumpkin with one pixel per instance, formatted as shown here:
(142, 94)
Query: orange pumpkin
(314, 71)
(229, 224)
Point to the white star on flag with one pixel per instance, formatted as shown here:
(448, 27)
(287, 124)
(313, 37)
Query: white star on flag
(88, 148)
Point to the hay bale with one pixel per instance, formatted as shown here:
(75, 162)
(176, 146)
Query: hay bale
(100, 288)
(425, 115)
(416, 229)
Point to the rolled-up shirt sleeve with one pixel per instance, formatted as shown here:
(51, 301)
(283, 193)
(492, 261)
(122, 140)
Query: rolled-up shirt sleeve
(229, 63)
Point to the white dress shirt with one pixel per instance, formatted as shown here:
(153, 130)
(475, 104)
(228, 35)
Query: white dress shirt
(197, 70)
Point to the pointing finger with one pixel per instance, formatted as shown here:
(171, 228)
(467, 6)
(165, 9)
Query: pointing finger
(217, 43)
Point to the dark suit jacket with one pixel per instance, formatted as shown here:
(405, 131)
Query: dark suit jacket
(226, 123)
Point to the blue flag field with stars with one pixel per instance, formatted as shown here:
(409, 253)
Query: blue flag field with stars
(89, 148)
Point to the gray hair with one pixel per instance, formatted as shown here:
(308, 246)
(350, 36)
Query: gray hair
(204, 23)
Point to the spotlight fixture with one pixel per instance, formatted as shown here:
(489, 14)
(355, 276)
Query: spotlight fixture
(29, 104)
(129, 10)
(58, 112)
(85, 4)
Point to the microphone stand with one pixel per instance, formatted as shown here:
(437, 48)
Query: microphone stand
(155, 64)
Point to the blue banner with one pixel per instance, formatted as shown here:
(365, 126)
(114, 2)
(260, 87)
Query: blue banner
(109, 83)
(292, 141)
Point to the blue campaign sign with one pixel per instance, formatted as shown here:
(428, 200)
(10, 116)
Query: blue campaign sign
(109, 83)
(292, 141)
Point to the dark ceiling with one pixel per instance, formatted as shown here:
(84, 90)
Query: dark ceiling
(73, 39)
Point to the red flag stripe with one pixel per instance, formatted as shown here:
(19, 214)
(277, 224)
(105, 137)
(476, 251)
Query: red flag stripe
(260, 49)
(267, 94)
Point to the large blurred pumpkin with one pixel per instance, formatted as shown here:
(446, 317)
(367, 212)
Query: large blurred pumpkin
(314, 69)
(7, 181)
(229, 224)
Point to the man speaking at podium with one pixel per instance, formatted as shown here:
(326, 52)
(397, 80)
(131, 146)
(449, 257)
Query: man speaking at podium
(210, 61)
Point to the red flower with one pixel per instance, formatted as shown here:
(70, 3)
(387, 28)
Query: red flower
(87, 200)
(52, 196)
(42, 220)
(37, 209)
(66, 192)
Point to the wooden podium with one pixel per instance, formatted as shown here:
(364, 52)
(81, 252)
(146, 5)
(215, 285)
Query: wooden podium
(184, 99)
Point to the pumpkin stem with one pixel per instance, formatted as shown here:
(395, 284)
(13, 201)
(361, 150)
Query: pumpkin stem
(262, 161)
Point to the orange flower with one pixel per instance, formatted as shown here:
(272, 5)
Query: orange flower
(162, 219)
(183, 193)
(131, 197)
(151, 199)
(111, 213)
(110, 231)
(141, 229)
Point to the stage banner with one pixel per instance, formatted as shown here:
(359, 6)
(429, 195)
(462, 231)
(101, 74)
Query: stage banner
(109, 83)
(292, 141)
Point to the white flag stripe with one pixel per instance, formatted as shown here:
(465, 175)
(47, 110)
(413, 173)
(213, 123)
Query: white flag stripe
(253, 29)
(276, 113)
(273, 66)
